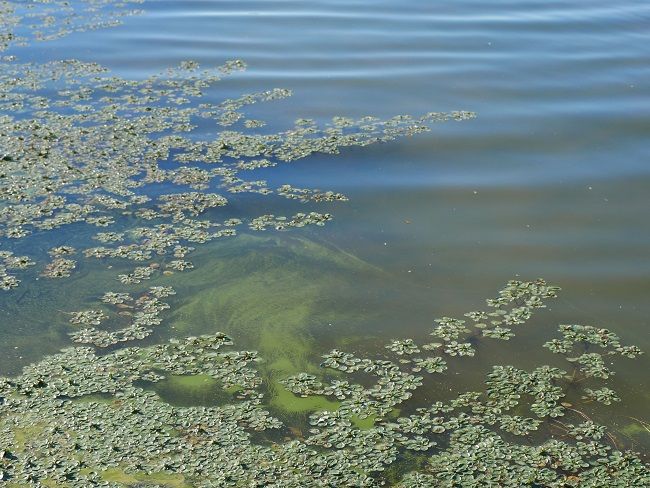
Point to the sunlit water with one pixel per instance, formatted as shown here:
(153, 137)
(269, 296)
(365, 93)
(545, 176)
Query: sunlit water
(551, 180)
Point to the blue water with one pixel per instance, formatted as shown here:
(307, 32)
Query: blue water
(560, 88)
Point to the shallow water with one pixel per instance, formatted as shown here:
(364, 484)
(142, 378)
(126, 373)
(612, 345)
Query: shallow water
(551, 180)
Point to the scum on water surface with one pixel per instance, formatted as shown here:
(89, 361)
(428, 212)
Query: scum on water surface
(81, 148)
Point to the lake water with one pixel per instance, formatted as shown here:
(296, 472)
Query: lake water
(551, 179)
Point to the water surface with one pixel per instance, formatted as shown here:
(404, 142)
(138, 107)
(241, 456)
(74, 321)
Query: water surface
(551, 180)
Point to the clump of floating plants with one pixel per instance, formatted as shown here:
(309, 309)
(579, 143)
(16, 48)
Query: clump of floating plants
(44, 20)
(85, 149)
(143, 166)
(146, 166)
(82, 419)
(81, 147)
(141, 315)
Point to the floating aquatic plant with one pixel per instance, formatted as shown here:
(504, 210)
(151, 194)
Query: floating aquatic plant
(97, 145)
(81, 147)
(77, 418)
(143, 314)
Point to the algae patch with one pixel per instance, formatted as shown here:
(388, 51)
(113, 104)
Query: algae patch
(267, 292)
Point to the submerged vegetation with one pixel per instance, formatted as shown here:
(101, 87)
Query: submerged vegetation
(82, 419)
(145, 164)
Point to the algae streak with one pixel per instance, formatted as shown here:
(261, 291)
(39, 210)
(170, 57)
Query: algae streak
(271, 293)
